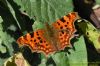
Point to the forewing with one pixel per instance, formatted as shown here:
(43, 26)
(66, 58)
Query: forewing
(65, 27)
(37, 42)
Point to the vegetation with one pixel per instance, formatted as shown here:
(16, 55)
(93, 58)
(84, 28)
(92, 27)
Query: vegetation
(19, 17)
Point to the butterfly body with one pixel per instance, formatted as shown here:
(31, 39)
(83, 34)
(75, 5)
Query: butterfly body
(52, 38)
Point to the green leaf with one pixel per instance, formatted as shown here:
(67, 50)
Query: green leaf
(61, 59)
(7, 28)
(7, 31)
(46, 10)
(38, 25)
(78, 55)
(98, 2)
(6, 41)
(2, 48)
(91, 33)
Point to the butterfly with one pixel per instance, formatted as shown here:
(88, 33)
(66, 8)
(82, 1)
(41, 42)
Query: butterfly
(53, 38)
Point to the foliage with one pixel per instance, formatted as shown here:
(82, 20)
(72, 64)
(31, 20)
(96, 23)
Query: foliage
(18, 17)
(91, 33)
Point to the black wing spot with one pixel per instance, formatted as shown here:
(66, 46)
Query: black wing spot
(62, 32)
(36, 44)
(58, 23)
(61, 27)
(31, 40)
(37, 33)
(67, 22)
(46, 44)
(67, 28)
(32, 34)
(41, 41)
(65, 25)
(34, 40)
(39, 38)
(44, 41)
(62, 19)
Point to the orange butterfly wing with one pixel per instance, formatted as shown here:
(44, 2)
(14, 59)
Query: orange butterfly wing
(37, 42)
(66, 28)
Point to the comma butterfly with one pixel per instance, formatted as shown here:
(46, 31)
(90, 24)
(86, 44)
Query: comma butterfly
(54, 37)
